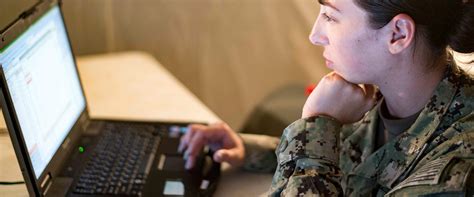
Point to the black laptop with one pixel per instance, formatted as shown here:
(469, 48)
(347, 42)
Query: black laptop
(61, 151)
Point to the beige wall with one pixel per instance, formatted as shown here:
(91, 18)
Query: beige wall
(230, 53)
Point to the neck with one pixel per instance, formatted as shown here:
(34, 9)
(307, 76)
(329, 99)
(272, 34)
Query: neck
(408, 88)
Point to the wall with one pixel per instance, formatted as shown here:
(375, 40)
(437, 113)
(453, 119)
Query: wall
(230, 53)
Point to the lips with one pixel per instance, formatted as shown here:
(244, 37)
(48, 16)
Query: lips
(329, 63)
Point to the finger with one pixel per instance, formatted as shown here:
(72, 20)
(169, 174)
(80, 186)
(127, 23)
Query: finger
(223, 155)
(231, 156)
(190, 163)
(214, 146)
(184, 141)
(196, 145)
(192, 129)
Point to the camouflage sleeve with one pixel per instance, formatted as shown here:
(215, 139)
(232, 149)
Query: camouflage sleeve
(259, 152)
(308, 159)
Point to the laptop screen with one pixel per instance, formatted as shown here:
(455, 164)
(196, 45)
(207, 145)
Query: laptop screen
(44, 86)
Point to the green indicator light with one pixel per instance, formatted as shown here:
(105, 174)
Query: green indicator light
(81, 149)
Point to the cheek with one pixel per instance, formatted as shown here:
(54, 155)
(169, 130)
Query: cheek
(349, 51)
(353, 55)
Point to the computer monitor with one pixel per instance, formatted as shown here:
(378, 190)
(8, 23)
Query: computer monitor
(42, 57)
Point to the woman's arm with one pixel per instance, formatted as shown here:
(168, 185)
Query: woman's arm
(259, 152)
(308, 159)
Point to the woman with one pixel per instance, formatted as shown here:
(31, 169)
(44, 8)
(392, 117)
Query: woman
(416, 139)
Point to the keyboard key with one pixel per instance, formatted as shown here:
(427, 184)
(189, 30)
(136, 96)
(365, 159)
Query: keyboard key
(119, 161)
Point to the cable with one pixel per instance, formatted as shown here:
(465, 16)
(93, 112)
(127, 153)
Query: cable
(11, 183)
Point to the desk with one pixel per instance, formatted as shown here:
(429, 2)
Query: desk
(134, 86)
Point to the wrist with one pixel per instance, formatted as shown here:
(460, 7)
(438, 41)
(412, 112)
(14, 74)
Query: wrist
(306, 115)
(312, 130)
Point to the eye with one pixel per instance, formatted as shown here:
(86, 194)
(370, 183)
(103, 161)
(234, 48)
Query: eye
(328, 18)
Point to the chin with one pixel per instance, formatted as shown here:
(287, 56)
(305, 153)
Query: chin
(353, 78)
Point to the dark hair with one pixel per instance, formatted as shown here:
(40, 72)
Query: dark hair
(441, 23)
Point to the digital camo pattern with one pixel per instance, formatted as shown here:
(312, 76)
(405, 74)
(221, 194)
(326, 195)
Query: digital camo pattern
(434, 156)
(259, 152)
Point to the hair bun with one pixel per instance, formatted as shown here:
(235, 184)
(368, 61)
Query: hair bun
(461, 38)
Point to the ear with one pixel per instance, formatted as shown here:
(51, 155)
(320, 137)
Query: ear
(402, 30)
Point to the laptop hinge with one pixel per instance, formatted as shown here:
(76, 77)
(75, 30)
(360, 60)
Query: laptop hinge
(60, 187)
(46, 184)
(84, 122)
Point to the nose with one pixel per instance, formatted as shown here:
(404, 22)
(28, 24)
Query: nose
(318, 35)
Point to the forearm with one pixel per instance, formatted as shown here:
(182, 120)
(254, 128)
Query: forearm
(259, 152)
(308, 159)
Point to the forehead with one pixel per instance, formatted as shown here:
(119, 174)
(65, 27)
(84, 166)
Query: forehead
(339, 5)
(345, 8)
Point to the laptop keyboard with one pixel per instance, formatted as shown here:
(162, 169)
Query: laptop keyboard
(120, 162)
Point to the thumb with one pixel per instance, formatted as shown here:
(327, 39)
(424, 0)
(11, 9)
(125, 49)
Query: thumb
(230, 156)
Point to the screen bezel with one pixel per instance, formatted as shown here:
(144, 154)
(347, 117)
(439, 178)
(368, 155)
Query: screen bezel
(36, 186)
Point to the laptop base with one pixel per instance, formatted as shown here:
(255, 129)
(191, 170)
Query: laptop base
(166, 175)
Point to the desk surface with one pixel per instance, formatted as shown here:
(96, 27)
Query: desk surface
(134, 86)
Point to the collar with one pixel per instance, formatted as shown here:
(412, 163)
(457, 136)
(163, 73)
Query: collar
(395, 157)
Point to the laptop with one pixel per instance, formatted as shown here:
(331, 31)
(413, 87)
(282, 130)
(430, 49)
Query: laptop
(60, 149)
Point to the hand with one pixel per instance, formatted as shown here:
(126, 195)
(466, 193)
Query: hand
(225, 143)
(337, 98)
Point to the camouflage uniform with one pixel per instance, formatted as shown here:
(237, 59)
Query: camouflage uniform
(319, 156)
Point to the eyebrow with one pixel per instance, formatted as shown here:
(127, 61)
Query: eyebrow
(327, 3)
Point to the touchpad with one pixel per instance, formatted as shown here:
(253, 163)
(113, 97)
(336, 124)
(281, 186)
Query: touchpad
(174, 188)
(171, 163)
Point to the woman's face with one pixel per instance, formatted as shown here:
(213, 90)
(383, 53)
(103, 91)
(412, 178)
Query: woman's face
(351, 48)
